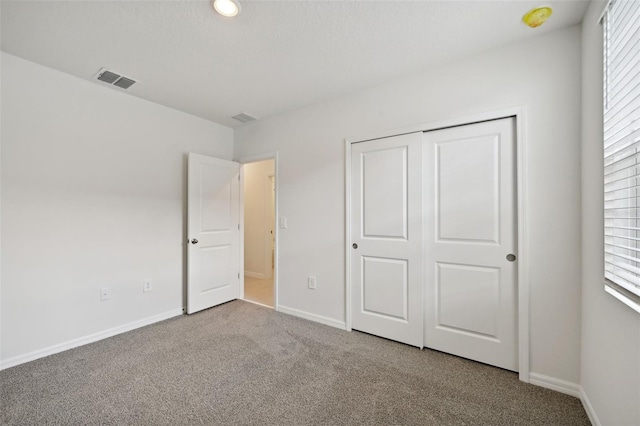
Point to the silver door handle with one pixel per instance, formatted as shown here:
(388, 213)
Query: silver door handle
(194, 241)
(511, 257)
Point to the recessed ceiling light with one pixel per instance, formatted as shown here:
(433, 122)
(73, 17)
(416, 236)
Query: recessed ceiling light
(536, 17)
(228, 8)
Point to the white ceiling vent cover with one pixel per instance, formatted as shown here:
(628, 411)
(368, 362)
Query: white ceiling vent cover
(244, 117)
(114, 78)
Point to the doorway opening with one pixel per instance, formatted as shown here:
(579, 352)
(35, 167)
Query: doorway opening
(259, 232)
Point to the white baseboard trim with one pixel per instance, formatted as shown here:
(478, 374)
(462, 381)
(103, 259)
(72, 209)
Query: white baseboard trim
(589, 408)
(256, 303)
(255, 275)
(555, 384)
(312, 317)
(41, 353)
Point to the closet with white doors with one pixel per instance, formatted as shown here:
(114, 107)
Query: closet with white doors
(433, 219)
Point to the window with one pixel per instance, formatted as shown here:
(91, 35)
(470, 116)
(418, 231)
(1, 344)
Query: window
(621, 25)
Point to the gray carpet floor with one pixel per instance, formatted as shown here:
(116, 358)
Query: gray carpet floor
(242, 364)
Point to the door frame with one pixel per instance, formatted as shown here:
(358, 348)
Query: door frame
(519, 113)
(269, 191)
(252, 159)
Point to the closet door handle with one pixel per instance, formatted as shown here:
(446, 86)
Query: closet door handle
(355, 246)
(194, 241)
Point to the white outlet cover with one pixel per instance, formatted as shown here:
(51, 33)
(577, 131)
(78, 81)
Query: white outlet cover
(105, 293)
(147, 286)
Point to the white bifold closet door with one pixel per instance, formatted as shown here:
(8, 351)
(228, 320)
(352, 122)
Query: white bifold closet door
(470, 242)
(386, 252)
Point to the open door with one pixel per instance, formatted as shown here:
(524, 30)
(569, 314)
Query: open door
(213, 273)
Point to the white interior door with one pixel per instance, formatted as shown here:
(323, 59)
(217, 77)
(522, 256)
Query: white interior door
(470, 231)
(213, 232)
(386, 253)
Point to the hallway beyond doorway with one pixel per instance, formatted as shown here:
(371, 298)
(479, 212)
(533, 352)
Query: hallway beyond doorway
(258, 290)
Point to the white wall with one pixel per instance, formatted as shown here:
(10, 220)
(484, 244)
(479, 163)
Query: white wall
(610, 330)
(93, 195)
(257, 190)
(542, 74)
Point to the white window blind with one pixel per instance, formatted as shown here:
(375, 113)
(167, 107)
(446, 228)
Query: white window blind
(621, 24)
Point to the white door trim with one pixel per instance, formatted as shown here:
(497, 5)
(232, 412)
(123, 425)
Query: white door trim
(269, 238)
(523, 230)
(252, 159)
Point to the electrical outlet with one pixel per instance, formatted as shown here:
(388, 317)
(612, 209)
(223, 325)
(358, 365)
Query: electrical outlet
(148, 285)
(105, 293)
(311, 281)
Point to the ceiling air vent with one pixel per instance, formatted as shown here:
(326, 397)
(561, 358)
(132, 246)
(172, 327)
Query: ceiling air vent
(108, 77)
(124, 82)
(244, 118)
(114, 78)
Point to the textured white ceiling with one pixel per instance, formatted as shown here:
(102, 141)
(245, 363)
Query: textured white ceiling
(274, 57)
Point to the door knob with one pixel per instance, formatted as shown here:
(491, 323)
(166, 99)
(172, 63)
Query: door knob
(511, 257)
(355, 246)
(194, 241)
